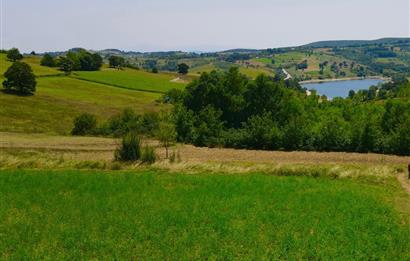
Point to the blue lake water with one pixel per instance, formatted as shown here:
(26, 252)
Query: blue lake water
(341, 88)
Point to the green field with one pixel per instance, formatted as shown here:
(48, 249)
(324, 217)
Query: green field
(33, 61)
(59, 99)
(158, 216)
(132, 79)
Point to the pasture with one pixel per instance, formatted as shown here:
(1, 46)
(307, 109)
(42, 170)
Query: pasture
(33, 61)
(132, 79)
(58, 100)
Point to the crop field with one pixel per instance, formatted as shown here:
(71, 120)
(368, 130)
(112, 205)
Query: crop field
(59, 99)
(154, 215)
(132, 79)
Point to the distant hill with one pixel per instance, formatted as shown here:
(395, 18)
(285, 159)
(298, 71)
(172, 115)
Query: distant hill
(356, 43)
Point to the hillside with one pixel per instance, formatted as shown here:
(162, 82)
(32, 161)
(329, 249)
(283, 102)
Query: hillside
(59, 98)
(356, 43)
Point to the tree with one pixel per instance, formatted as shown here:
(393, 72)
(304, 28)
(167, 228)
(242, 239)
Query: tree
(116, 61)
(14, 54)
(183, 68)
(166, 135)
(48, 60)
(66, 65)
(20, 77)
(84, 124)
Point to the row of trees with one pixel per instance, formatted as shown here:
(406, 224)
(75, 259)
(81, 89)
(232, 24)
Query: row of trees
(228, 109)
(77, 60)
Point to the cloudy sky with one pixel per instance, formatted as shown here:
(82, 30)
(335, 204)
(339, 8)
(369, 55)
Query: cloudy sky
(195, 25)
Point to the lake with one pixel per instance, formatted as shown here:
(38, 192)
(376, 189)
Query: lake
(341, 88)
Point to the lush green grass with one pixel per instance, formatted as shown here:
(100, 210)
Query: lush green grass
(133, 79)
(59, 99)
(33, 61)
(159, 216)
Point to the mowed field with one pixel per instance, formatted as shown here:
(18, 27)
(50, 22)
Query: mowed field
(156, 215)
(59, 99)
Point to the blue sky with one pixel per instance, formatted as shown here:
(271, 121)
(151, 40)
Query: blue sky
(203, 25)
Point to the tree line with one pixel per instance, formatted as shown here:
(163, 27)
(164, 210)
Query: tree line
(74, 60)
(228, 109)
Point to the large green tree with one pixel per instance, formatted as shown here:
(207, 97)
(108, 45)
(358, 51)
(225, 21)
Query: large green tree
(20, 78)
(14, 54)
(183, 68)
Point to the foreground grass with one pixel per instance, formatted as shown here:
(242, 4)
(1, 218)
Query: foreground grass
(155, 215)
(132, 79)
(58, 100)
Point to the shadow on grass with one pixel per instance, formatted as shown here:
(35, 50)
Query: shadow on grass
(17, 93)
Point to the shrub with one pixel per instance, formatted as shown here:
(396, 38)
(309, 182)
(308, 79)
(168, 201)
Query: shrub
(85, 124)
(148, 155)
(130, 149)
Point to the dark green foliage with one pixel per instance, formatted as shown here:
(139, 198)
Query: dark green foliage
(66, 65)
(148, 155)
(85, 124)
(128, 120)
(228, 109)
(261, 132)
(80, 60)
(149, 64)
(20, 79)
(154, 70)
(116, 61)
(130, 149)
(48, 60)
(14, 54)
(173, 96)
(183, 68)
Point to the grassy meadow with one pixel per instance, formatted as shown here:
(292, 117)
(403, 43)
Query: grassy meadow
(132, 79)
(33, 61)
(155, 215)
(58, 100)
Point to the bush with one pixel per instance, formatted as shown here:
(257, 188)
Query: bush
(85, 124)
(148, 155)
(130, 149)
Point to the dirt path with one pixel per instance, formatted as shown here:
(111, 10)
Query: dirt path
(404, 181)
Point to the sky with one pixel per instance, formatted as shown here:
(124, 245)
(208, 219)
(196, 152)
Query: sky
(195, 25)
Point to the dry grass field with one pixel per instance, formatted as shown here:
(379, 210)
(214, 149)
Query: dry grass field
(45, 151)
